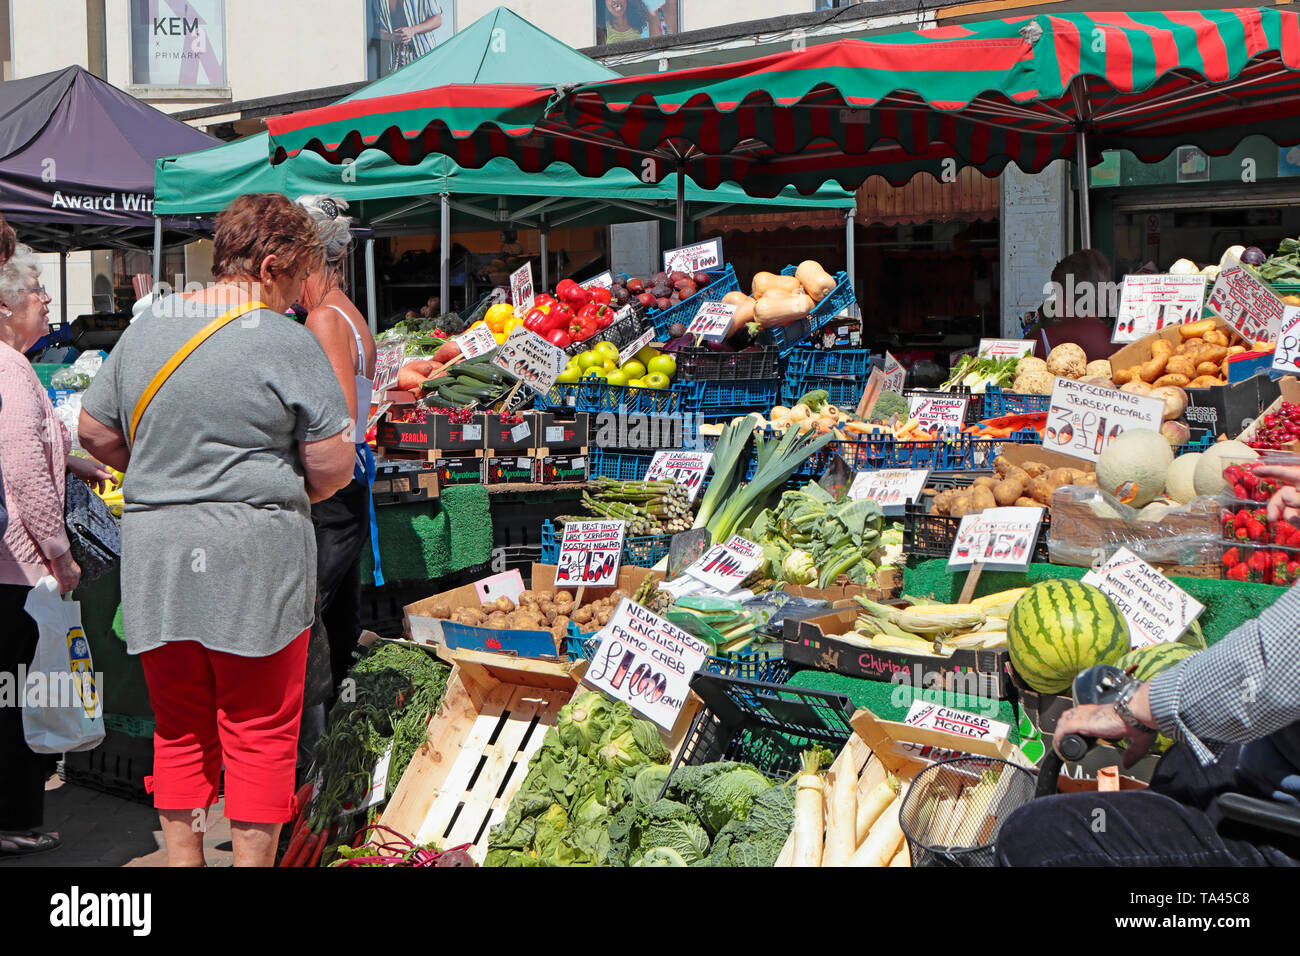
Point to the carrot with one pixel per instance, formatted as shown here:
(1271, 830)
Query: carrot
(293, 853)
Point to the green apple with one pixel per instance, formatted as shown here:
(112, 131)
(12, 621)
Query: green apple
(656, 380)
(616, 377)
(636, 383)
(588, 358)
(571, 373)
(594, 371)
(666, 365)
(608, 351)
(633, 368)
(646, 354)
(609, 366)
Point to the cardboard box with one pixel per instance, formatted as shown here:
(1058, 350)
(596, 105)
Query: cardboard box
(404, 486)
(509, 439)
(561, 468)
(460, 471)
(1019, 454)
(556, 433)
(888, 583)
(1228, 409)
(1136, 353)
(978, 673)
(505, 470)
(438, 433)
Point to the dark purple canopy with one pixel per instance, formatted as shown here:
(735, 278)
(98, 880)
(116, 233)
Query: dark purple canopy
(77, 160)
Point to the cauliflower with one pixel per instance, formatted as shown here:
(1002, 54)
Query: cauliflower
(1033, 383)
(799, 568)
(1067, 360)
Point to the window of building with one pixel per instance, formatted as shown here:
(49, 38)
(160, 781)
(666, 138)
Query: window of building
(178, 44)
(619, 21)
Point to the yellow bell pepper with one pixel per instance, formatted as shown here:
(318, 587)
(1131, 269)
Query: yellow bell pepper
(497, 316)
(512, 323)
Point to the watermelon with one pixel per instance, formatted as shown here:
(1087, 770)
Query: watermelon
(1059, 628)
(1149, 661)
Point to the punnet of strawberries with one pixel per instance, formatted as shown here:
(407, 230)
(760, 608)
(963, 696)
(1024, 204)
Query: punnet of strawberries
(1277, 428)
(1257, 550)
(1245, 485)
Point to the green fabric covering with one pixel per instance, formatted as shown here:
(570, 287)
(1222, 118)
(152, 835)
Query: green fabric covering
(1228, 604)
(890, 701)
(431, 539)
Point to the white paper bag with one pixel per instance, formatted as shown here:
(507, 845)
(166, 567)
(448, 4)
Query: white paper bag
(62, 712)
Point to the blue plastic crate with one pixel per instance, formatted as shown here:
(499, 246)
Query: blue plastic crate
(998, 403)
(1201, 444)
(640, 552)
(724, 281)
(787, 337)
(844, 392)
(823, 362)
(748, 665)
(595, 395)
(756, 395)
(972, 452)
(619, 465)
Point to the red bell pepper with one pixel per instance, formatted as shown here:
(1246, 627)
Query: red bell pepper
(580, 328)
(599, 315)
(559, 338)
(543, 298)
(601, 294)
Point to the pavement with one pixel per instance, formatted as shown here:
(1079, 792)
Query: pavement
(103, 830)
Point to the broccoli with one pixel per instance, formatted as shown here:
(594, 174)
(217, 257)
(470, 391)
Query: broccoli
(889, 403)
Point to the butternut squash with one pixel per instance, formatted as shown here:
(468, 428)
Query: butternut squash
(744, 313)
(735, 298)
(766, 281)
(816, 281)
(779, 308)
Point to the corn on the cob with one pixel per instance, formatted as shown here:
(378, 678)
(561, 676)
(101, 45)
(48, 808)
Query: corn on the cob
(1000, 604)
(938, 618)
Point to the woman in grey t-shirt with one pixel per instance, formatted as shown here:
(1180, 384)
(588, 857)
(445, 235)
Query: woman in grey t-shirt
(218, 552)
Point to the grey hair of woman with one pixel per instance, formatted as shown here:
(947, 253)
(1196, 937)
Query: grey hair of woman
(16, 274)
(334, 229)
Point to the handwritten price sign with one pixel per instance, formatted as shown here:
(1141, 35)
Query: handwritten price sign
(1001, 539)
(522, 292)
(1006, 348)
(1084, 419)
(477, 341)
(895, 375)
(938, 413)
(602, 281)
(1247, 305)
(891, 488)
(1148, 303)
(698, 257)
(388, 363)
(1286, 357)
(724, 566)
(1157, 610)
(686, 468)
(590, 553)
(646, 661)
(712, 321)
(528, 356)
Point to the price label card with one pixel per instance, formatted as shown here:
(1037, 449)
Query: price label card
(1148, 303)
(697, 257)
(590, 553)
(1286, 357)
(712, 321)
(522, 292)
(528, 356)
(1006, 348)
(891, 488)
(1001, 539)
(603, 281)
(684, 467)
(477, 341)
(388, 362)
(895, 375)
(1247, 305)
(1084, 419)
(647, 662)
(1157, 610)
(520, 431)
(937, 412)
(636, 345)
(937, 717)
(724, 566)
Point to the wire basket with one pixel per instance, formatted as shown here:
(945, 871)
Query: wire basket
(949, 816)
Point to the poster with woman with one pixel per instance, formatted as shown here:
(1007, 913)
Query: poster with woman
(399, 32)
(618, 21)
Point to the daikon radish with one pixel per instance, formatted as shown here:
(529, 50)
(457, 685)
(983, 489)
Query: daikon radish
(883, 841)
(816, 281)
(809, 822)
(841, 832)
(943, 809)
(903, 857)
(873, 805)
(763, 281)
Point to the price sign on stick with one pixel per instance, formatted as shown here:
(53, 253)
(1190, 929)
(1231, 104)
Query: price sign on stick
(712, 321)
(1083, 419)
(590, 553)
(1157, 610)
(531, 359)
(602, 281)
(697, 257)
(724, 566)
(477, 341)
(1000, 539)
(687, 468)
(1286, 357)
(1148, 303)
(522, 292)
(389, 359)
(938, 412)
(646, 661)
(895, 375)
(891, 488)
(1006, 348)
(1246, 304)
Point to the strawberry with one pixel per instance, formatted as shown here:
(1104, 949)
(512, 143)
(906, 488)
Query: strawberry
(1231, 557)
(1239, 572)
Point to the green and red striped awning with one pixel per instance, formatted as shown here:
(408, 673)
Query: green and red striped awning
(1016, 90)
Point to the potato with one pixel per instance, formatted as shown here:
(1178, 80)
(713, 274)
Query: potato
(1002, 465)
(545, 596)
(1123, 375)
(1008, 490)
(549, 612)
(1136, 387)
(1026, 503)
(498, 620)
(1099, 368)
(489, 608)
(563, 597)
(1205, 381)
(617, 596)
(504, 603)
(563, 608)
(1205, 368)
(1035, 469)
(441, 611)
(1216, 337)
(1161, 347)
(583, 614)
(1194, 330)
(960, 505)
(1060, 476)
(1176, 380)
(1181, 365)
(942, 501)
(981, 497)
(1152, 370)
(602, 618)
(1040, 489)
(984, 481)
(528, 597)
(1088, 478)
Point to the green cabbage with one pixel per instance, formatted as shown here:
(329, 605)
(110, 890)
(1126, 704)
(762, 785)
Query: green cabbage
(583, 720)
(672, 826)
(631, 742)
(724, 794)
(649, 782)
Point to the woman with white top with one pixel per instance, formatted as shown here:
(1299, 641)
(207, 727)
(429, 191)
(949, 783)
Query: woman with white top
(343, 521)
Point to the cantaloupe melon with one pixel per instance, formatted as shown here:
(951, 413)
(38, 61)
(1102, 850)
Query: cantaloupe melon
(1208, 477)
(1179, 482)
(1134, 465)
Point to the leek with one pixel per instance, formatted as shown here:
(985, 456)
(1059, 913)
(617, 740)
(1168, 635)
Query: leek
(777, 462)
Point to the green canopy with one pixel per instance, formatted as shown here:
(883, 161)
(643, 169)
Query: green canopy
(499, 47)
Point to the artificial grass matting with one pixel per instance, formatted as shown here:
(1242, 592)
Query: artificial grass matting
(431, 539)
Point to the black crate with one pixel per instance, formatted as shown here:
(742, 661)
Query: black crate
(764, 724)
(949, 480)
(517, 516)
(706, 365)
(929, 535)
(117, 766)
(623, 331)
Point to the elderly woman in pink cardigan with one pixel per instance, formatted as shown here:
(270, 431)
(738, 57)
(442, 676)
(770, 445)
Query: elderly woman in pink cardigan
(34, 459)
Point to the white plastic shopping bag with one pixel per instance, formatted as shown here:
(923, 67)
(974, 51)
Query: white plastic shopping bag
(62, 712)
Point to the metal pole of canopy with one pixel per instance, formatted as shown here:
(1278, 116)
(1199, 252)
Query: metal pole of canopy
(681, 204)
(445, 254)
(372, 294)
(63, 286)
(1085, 214)
(157, 251)
(849, 226)
(545, 231)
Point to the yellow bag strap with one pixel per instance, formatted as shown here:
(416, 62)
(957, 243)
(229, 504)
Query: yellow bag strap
(184, 352)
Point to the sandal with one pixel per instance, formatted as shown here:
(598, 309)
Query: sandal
(26, 842)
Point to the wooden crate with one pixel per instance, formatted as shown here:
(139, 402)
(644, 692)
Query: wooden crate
(493, 717)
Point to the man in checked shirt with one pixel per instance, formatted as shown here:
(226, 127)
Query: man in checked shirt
(1234, 710)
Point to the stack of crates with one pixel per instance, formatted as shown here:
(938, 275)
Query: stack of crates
(843, 373)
